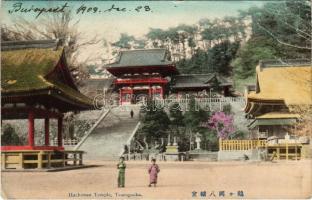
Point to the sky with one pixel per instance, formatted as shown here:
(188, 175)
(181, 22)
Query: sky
(109, 25)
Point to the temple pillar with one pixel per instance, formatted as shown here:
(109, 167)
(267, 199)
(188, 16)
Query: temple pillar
(59, 131)
(31, 128)
(149, 91)
(46, 131)
(120, 96)
(131, 96)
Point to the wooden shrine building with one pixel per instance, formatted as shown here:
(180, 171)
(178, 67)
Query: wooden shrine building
(37, 84)
(141, 73)
(194, 83)
(279, 87)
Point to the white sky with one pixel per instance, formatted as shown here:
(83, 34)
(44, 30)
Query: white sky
(109, 25)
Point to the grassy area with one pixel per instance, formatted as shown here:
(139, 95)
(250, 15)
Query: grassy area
(239, 84)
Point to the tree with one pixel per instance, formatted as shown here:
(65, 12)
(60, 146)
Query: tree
(155, 122)
(176, 115)
(222, 124)
(288, 23)
(124, 41)
(221, 55)
(304, 124)
(248, 56)
(280, 30)
(9, 136)
(194, 116)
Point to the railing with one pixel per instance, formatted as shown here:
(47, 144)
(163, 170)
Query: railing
(215, 102)
(145, 156)
(141, 80)
(203, 99)
(91, 129)
(131, 137)
(66, 142)
(38, 159)
(239, 145)
(287, 151)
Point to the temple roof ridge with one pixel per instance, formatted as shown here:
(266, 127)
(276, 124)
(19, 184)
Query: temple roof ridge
(284, 63)
(30, 44)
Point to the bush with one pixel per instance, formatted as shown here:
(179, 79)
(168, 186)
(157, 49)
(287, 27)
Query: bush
(9, 136)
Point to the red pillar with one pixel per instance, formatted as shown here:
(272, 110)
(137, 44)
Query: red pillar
(149, 91)
(161, 92)
(131, 96)
(31, 128)
(120, 96)
(59, 131)
(46, 131)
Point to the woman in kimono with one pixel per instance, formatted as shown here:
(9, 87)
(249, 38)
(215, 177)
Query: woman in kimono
(153, 170)
(121, 166)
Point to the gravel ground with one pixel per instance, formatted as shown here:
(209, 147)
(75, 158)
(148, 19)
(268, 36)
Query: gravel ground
(177, 180)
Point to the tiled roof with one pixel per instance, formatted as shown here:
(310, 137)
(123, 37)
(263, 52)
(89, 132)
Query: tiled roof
(198, 80)
(142, 57)
(289, 82)
(33, 70)
(91, 85)
(277, 115)
(33, 44)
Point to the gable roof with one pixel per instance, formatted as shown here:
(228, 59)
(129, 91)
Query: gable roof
(142, 57)
(198, 80)
(289, 81)
(33, 71)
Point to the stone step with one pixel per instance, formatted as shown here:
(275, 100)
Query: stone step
(107, 140)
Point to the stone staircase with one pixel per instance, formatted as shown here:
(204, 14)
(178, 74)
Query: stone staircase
(106, 141)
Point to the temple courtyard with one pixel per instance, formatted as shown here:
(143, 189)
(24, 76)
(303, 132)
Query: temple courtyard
(177, 180)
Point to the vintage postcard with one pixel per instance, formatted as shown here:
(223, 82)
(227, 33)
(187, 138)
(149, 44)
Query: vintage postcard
(156, 99)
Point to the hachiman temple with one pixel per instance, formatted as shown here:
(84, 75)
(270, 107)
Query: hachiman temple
(149, 72)
(37, 84)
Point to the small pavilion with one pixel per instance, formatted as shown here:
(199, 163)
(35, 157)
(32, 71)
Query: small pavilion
(37, 84)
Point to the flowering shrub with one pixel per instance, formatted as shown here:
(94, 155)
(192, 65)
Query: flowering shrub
(222, 123)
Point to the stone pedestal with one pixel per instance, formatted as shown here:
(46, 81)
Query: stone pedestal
(172, 153)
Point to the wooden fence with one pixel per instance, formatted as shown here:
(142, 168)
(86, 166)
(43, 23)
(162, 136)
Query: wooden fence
(280, 151)
(232, 145)
(38, 159)
(284, 151)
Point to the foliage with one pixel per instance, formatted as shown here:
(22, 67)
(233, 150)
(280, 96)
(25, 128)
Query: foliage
(194, 116)
(221, 55)
(216, 59)
(248, 56)
(280, 30)
(9, 136)
(238, 135)
(155, 121)
(124, 41)
(304, 125)
(176, 115)
(222, 123)
(227, 109)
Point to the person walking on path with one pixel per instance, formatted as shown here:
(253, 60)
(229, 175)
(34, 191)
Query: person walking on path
(121, 166)
(153, 171)
(131, 113)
